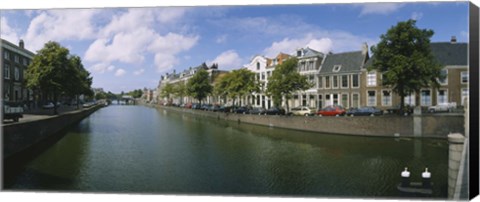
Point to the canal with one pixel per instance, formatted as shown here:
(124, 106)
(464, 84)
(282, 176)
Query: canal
(138, 149)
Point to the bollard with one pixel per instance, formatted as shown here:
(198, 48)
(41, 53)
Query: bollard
(405, 178)
(426, 178)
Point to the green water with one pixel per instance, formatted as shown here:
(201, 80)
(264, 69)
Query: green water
(137, 149)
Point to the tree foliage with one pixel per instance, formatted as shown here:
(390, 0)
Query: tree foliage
(137, 93)
(404, 58)
(237, 83)
(55, 72)
(286, 80)
(199, 85)
(167, 90)
(180, 90)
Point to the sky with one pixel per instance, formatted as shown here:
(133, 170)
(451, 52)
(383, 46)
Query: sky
(130, 48)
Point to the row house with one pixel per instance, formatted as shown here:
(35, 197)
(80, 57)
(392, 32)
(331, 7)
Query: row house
(453, 88)
(263, 68)
(15, 61)
(309, 65)
(183, 77)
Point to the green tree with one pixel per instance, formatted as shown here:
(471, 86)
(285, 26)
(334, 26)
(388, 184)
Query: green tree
(49, 71)
(80, 81)
(404, 58)
(166, 91)
(180, 90)
(237, 83)
(285, 80)
(199, 85)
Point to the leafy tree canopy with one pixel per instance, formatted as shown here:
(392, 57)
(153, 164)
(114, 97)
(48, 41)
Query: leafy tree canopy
(286, 80)
(404, 58)
(237, 83)
(199, 85)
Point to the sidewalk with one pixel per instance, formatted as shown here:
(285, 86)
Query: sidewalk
(39, 113)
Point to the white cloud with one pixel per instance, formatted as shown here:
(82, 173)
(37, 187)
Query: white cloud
(130, 36)
(227, 60)
(138, 72)
(326, 41)
(221, 39)
(8, 33)
(416, 16)
(102, 68)
(379, 8)
(58, 25)
(120, 72)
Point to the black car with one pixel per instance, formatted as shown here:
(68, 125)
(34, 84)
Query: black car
(205, 107)
(364, 111)
(196, 106)
(396, 110)
(257, 110)
(240, 110)
(275, 111)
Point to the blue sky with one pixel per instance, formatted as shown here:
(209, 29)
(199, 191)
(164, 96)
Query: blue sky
(130, 48)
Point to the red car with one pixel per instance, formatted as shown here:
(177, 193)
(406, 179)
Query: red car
(332, 110)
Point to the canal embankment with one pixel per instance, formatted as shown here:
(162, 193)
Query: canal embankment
(21, 138)
(431, 125)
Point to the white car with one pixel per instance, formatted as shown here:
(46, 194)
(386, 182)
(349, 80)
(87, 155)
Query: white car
(302, 111)
(48, 106)
(442, 107)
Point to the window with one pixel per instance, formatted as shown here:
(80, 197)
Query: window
(355, 100)
(327, 99)
(17, 74)
(409, 100)
(302, 66)
(258, 76)
(263, 75)
(17, 59)
(444, 74)
(372, 78)
(310, 65)
(386, 98)
(320, 82)
(344, 81)
(6, 72)
(371, 98)
(258, 65)
(311, 79)
(269, 74)
(425, 98)
(464, 77)
(25, 62)
(258, 100)
(335, 81)
(464, 95)
(320, 102)
(345, 100)
(6, 91)
(336, 68)
(327, 81)
(304, 100)
(6, 55)
(335, 99)
(442, 96)
(355, 83)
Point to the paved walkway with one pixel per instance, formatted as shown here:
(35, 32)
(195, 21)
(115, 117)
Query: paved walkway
(39, 113)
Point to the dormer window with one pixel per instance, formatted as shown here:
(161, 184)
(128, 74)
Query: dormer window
(299, 53)
(337, 68)
(258, 66)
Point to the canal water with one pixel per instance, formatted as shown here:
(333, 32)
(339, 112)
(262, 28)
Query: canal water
(138, 149)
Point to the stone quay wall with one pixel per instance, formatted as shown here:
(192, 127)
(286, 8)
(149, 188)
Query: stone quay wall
(19, 137)
(432, 125)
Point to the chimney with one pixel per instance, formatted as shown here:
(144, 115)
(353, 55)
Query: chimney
(453, 40)
(364, 48)
(21, 44)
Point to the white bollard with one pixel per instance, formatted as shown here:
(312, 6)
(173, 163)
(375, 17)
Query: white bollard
(405, 178)
(426, 178)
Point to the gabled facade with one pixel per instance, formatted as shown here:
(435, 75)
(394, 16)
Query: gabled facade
(309, 64)
(338, 81)
(15, 61)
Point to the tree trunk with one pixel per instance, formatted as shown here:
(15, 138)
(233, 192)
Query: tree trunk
(55, 112)
(287, 110)
(417, 98)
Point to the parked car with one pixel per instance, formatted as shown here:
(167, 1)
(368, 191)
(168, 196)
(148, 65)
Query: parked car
(188, 105)
(275, 111)
(396, 110)
(257, 110)
(442, 107)
(240, 110)
(12, 111)
(364, 111)
(214, 108)
(196, 106)
(302, 111)
(332, 110)
(49, 105)
(205, 106)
